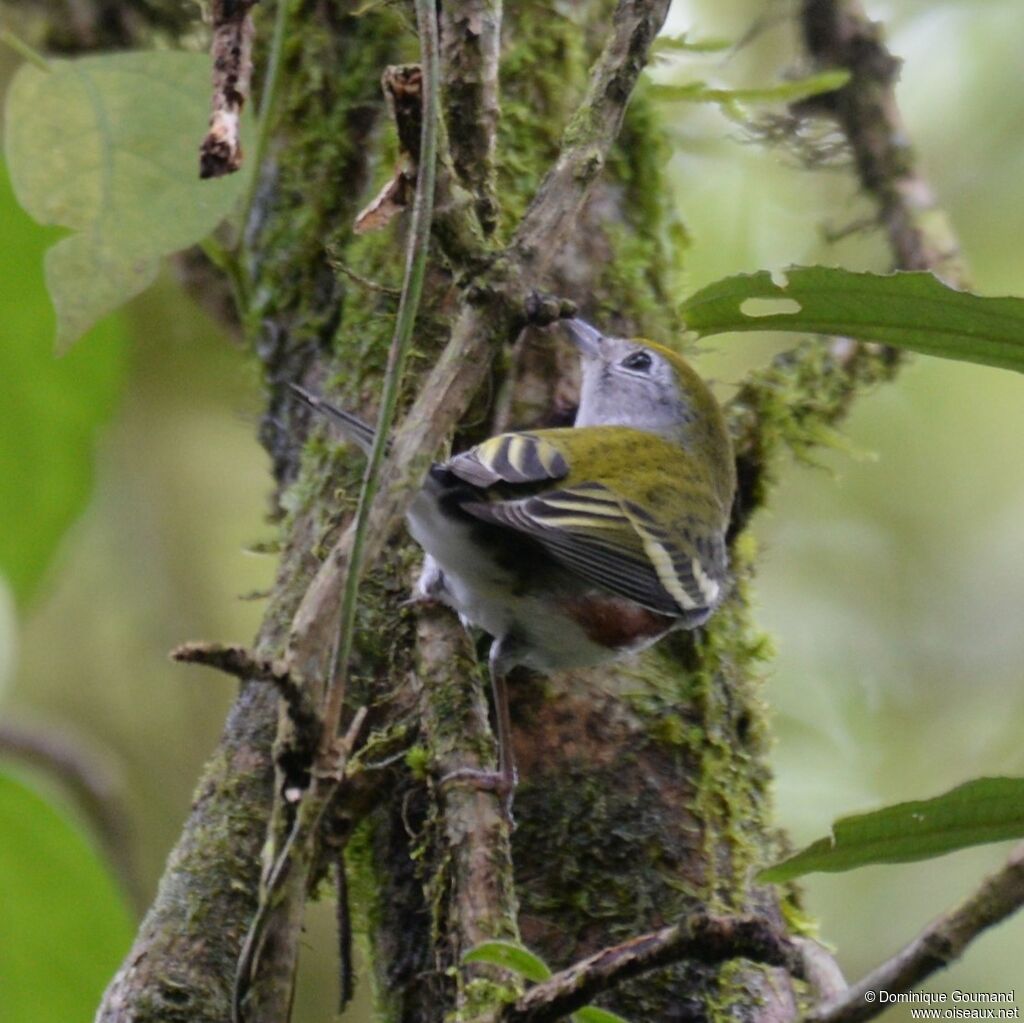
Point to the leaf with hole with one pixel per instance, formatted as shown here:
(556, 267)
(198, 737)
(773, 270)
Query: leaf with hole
(107, 147)
(906, 310)
(977, 812)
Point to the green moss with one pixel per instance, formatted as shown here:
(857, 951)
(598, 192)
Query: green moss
(482, 997)
(798, 399)
(417, 759)
(645, 274)
(542, 80)
(365, 906)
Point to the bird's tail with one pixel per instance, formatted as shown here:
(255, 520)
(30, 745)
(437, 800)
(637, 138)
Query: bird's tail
(351, 426)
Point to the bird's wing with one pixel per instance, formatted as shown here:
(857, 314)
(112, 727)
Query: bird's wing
(610, 542)
(509, 458)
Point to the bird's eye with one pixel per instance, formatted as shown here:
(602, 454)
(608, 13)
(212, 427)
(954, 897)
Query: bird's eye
(638, 361)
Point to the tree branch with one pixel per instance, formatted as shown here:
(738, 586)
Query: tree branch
(704, 938)
(813, 386)
(470, 51)
(941, 943)
(232, 660)
(220, 152)
(591, 132)
(492, 312)
(480, 898)
(838, 34)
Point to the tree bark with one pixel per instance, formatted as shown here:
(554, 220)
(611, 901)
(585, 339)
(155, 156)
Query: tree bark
(645, 787)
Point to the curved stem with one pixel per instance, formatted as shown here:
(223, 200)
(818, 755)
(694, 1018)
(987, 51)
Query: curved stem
(412, 288)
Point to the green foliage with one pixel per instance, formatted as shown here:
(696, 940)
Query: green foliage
(594, 1014)
(510, 956)
(906, 310)
(684, 44)
(107, 146)
(979, 811)
(51, 408)
(783, 92)
(63, 925)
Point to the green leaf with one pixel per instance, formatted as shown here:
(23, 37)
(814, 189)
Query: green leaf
(684, 44)
(511, 956)
(50, 409)
(908, 310)
(782, 92)
(979, 811)
(108, 147)
(63, 926)
(593, 1014)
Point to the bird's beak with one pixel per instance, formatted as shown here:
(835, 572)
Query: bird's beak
(586, 338)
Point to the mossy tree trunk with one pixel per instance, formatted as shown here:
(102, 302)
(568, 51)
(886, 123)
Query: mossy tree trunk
(645, 789)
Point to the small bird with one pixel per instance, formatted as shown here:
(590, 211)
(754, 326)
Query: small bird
(574, 546)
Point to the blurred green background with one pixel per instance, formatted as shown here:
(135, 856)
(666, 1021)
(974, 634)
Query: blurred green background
(892, 577)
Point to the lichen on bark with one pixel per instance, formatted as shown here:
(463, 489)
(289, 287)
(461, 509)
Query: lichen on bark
(645, 791)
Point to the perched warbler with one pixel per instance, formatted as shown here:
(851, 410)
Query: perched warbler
(574, 546)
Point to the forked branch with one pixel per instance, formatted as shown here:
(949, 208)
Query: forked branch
(701, 937)
(939, 944)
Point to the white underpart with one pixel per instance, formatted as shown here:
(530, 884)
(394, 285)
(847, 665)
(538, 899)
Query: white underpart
(464, 575)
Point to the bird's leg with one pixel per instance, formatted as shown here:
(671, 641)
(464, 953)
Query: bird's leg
(503, 781)
(498, 667)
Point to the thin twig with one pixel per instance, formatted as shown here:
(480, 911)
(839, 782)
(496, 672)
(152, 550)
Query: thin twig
(265, 114)
(220, 152)
(470, 52)
(412, 288)
(23, 50)
(939, 944)
(701, 937)
(838, 34)
(243, 664)
(255, 997)
(591, 131)
(232, 660)
(338, 265)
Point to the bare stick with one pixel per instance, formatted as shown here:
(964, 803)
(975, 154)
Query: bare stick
(592, 130)
(704, 938)
(220, 152)
(939, 944)
(470, 50)
(838, 34)
(232, 660)
(481, 904)
(412, 288)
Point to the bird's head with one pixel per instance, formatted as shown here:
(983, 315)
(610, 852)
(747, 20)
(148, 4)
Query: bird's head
(639, 383)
